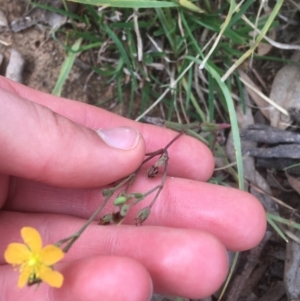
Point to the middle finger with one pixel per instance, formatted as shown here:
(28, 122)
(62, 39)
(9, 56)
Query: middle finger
(235, 217)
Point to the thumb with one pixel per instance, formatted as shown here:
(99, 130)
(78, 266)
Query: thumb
(39, 144)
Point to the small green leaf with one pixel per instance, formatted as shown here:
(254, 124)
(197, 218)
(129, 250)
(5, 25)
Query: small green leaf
(191, 6)
(66, 68)
(129, 3)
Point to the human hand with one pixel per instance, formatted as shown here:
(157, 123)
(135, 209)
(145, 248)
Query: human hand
(52, 167)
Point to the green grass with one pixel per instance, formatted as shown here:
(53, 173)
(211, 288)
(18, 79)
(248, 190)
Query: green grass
(180, 56)
(66, 68)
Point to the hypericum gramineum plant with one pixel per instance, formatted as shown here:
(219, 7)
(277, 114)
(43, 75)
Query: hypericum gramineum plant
(35, 263)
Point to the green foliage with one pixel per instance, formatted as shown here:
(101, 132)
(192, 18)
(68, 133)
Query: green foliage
(157, 45)
(66, 68)
(129, 3)
(177, 56)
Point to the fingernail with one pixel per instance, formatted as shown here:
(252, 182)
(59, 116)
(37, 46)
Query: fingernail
(122, 137)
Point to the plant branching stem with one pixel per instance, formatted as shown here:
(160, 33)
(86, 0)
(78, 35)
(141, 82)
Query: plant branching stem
(71, 239)
(129, 180)
(161, 186)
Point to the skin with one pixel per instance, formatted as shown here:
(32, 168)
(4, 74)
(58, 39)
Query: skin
(52, 169)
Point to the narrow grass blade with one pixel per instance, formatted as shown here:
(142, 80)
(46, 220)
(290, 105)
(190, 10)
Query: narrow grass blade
(223, 27)
(233, 119)
(66, 68)
(168, 26)
(194, 100)
(232, 268)
(258, 40)
(122, 50)
(233, 122)
(161, 97)
(188, 88)
(58, 11)
(276, 228)
(241, 11)
(129, 3)
(283, 221)
(191, 6)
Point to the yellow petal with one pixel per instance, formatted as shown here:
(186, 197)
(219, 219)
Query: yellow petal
(24, 276)
(51, 254)
(32, 239)
(16, 253)
(53, 278)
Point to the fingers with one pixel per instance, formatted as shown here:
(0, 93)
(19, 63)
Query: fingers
(236, 218)
(107, 278)
(180, 262)
(188, 157)
(41, 145)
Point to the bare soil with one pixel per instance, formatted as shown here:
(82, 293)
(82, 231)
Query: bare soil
(43, 59)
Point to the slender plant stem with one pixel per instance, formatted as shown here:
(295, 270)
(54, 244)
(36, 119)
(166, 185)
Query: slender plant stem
(129, 181)
(76, 235)
(71, 239)
(161, 186)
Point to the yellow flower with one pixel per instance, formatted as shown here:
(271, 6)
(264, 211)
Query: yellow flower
(34, 261)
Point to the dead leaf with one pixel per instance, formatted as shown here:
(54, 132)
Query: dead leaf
(15, 66)
(291, 151)
(291, 270)
(259, 101)
(3, 20)
(286, 92)
(294, 182)
(265, 48)
(39, 15)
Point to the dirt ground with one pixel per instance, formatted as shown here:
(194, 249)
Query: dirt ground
(43, 59)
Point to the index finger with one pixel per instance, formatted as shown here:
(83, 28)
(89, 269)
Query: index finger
(189, 158)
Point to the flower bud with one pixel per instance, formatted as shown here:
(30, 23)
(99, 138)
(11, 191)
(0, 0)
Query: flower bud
(138, 195)
(106, 219)
(152, 171)
(142, 215)
(106, 192)
(162, 160)
(120, 200)
(124, 210)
